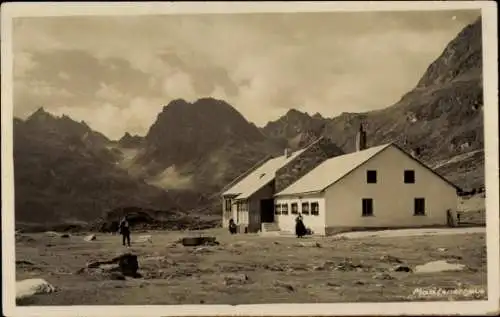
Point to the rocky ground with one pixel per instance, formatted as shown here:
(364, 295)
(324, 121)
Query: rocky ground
(247, 268)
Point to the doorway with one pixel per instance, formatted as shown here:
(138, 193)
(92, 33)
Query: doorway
(267, 210)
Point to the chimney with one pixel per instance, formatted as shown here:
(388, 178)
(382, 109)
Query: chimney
(415, 152)
(361, 139)
(287, 152)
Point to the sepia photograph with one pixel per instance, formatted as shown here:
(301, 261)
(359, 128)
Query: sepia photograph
(301, 158)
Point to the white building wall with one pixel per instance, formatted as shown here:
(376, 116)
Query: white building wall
(393, 200)
(315, 223)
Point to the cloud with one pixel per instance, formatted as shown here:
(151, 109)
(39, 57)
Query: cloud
(108, 92)
(178, 85)
(23, 63)
(113, 120)
(119, 68)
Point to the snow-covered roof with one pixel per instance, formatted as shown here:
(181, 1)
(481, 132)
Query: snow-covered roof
(260, 177)
(330, 171)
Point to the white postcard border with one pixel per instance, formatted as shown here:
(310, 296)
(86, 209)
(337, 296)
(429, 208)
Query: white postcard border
(490, 78)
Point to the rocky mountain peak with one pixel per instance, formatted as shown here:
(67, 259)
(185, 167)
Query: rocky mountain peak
(130, 141)
(462, 58)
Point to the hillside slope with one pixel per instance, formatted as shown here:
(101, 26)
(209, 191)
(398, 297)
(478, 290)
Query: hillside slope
(200, 146)
(64, 172)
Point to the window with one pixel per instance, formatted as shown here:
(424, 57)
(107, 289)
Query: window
(371, 177)
(295, 208)
(284, 209)
(314, 209)
(409, 177)
(277, 209)
(244, 206)
(227, 205)
(419, 207)
(305, 208)
(367, 204)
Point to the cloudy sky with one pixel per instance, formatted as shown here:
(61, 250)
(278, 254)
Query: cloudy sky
(117, 73)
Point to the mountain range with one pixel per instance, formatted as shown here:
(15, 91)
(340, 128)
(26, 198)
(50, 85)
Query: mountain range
(67, 173)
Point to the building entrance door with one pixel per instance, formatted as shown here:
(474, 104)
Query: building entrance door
(267, 210)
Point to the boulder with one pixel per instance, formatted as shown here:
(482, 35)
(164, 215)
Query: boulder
(439, 266)
(65, 235)
(30, 287)
(125, 263)
(235, 279)
(52, 234)
(128, 264)
(348, 265)
(402, 268)
(390, 258)
(89, 238)
(197, 241)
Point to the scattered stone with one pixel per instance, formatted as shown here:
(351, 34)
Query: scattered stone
(359, 283)
(309, 244)
(439, 266)
(318, 268)
(24, 263)
(52, 234)
(454, 257)
(65, 235)
(272, 267)
(329, 265)
(286, 286)
(197, 241)
(202, 250)
(402, 268)
(390, 258)
(30, 287)
(126, 263)
(24, 239)
(347, 265)
(155, 258)
(94, 264)
(89, 238)
(144, 239)
(276, 242)
(442, 249)
(333, 284)
(382, 276)
(235, 279)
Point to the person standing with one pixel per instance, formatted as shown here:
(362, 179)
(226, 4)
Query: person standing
(300, 228)
(125, 231)
(232, 226)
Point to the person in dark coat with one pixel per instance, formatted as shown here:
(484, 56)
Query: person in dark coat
(300, 228)
(232, 226)
(125, 230)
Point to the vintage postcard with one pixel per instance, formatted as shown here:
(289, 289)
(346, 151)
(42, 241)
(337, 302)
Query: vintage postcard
(250, 158)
